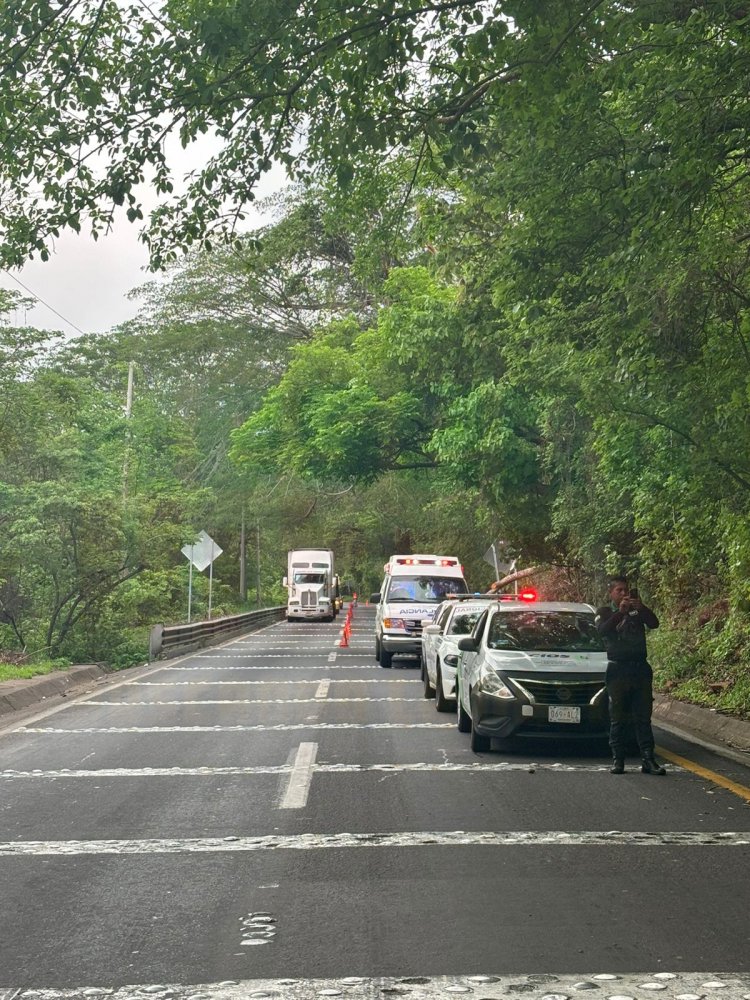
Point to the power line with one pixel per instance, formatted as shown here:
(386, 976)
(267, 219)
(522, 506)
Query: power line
(39, 299)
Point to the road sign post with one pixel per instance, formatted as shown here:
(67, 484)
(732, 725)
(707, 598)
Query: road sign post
(201, 554)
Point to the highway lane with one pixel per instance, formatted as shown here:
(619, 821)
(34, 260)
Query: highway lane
(283, 814)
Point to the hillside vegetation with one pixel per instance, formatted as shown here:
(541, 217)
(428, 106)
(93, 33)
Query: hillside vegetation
(506, 295)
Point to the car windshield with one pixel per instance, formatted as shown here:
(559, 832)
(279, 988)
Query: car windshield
(309, 577)
(425, 589)
(463, 622)
(547, 631)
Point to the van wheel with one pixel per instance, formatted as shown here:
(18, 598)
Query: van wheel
(429, 690)
(377, 649)
(385, 658)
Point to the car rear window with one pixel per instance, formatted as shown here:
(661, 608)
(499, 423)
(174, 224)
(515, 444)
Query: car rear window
(463, 622)
(546, 631)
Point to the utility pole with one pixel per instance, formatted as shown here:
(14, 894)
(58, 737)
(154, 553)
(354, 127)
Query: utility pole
(257, 563)
(243, 579)
(128, 411)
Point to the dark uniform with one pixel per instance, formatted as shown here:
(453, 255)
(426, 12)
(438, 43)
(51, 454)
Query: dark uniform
(629, 680)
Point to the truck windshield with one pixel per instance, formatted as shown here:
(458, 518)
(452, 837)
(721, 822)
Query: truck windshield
(309, 577)
(424, 589)
(550, 631)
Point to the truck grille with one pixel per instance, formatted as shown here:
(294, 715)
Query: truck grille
(308, 599)
(559, 692)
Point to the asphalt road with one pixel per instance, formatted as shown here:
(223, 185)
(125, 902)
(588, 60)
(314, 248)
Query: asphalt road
(280, 817)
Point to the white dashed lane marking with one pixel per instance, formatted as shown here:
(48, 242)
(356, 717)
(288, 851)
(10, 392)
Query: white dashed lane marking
(322, 689)
(297, 785)
(337, 841)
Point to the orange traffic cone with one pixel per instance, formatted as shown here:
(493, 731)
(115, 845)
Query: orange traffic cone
(344, 640)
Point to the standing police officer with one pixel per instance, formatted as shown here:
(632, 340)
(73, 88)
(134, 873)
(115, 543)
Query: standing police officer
(622, 625)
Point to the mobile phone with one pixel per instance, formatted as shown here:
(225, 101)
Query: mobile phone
(633, 595)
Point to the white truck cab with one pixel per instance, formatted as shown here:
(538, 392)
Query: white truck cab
(412, 589)
(310, 585)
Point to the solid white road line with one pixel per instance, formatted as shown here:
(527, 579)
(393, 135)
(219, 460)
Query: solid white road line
(241, 729)
(298, 784)
(473, 767)
(540, 986)
(337, 841)
(247, 701)
(274, 683)
(256, 656)
(377, 671)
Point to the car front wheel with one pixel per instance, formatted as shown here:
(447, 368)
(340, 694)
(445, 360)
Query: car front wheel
(442, 704)
(479, 743)
(463, 720)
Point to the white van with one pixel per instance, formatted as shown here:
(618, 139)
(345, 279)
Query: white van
(413, 588)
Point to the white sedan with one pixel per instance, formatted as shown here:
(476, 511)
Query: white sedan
(534, 670)
(455, 619)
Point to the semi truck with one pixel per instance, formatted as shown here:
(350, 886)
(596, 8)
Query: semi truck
(310, 585)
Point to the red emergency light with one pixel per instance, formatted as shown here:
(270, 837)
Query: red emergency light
(527, 594)
(426, 562)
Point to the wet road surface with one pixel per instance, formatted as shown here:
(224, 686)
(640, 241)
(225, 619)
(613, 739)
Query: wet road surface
(282, 817)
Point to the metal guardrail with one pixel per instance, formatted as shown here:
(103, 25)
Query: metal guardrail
(173, 640)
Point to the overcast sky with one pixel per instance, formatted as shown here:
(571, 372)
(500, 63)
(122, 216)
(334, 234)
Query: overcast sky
(86, 282)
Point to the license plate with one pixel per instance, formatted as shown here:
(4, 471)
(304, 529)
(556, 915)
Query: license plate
(564, 713)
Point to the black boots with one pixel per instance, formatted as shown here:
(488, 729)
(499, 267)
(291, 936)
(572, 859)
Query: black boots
(650, 766)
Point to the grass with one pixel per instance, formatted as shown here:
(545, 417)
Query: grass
(20, 671)
(703, 666)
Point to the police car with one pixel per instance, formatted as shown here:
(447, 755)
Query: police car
(532, 669)
(455, 618)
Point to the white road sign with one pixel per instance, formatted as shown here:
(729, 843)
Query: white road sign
(203, 552)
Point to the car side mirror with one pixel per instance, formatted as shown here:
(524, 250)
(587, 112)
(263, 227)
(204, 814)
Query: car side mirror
(374, 598)
(431, 630)
(284, 581)
(468, 645)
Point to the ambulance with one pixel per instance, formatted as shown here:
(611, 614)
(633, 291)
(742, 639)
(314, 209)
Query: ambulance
(413, 588)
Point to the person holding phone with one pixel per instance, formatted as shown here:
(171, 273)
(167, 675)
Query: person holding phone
(623, 624)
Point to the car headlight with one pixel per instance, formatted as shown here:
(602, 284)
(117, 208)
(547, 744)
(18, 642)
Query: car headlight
(394, 623)
(490, 683)
(451, 660)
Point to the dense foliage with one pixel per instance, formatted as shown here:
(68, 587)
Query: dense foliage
(511, 298)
